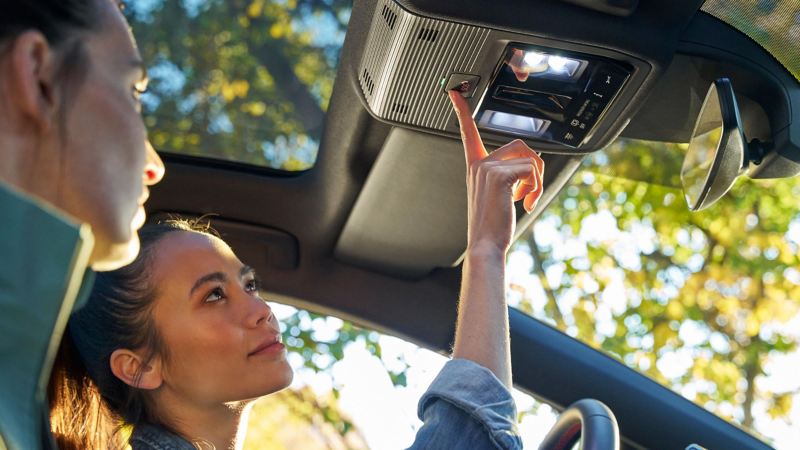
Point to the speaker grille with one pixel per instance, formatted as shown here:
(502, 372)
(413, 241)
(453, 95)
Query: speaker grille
(406, 57)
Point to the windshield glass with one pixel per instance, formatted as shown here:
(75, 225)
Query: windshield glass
(705, 303)
(246, 81)
(774, 24)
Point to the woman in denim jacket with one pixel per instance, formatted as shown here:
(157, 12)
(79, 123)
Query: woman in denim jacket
(179, 342)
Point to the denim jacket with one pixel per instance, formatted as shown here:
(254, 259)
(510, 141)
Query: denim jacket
(466, 407)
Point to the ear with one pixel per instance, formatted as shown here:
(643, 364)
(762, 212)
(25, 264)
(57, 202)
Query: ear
(128, 365)
(31, 82)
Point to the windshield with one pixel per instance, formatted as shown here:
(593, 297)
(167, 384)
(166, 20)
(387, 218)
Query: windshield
(705, 303)
(241, 81)
(774, 24)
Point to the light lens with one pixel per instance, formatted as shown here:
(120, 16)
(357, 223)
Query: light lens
(561, 65)
(547, 65)
(533, 59)
(514, 123)
(557, 63)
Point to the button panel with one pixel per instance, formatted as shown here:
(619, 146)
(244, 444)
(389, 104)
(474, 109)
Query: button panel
(570, 102)
(586, 109)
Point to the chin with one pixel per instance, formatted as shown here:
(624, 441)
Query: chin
(288, 378)
(114, 255)
(280, 381)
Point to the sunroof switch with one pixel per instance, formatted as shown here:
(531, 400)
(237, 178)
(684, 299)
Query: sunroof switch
(464, 83)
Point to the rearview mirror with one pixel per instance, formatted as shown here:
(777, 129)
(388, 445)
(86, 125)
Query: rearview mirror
(717, 150)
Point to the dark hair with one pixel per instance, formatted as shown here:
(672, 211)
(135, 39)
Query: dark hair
(62, 22)
(57, 20)
(89, 404)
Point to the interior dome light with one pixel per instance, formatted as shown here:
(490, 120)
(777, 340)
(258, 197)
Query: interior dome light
(557, 63)
(533, 59)
(561, 65)
(514, 123)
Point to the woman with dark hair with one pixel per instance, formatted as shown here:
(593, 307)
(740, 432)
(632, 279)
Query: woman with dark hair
(75, 167)
(179, 342)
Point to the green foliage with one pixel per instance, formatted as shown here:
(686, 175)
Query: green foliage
(650, 280)
(300, 418)
(302, 335)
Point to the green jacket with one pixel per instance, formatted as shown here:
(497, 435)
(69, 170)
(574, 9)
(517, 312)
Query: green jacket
(43, 277)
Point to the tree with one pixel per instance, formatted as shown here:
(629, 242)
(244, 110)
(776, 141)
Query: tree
(293, 419)
(697, 301)
(300, 418)
(246, 80)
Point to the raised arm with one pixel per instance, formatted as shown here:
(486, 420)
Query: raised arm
(482, 334)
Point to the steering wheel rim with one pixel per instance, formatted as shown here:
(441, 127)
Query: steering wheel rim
(589, 419)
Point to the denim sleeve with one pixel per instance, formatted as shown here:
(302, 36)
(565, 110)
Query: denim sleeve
(466, 406)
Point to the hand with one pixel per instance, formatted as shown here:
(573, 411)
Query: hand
(491, 181)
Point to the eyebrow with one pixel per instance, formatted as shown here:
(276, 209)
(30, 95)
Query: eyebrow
(220, 277)
(246, 270)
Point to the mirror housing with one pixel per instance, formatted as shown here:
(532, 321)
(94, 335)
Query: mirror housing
(717, 152)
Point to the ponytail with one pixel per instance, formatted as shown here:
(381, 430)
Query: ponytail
(79, 419)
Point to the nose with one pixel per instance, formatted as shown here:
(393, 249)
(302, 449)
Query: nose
(259, 313)
(153, 166)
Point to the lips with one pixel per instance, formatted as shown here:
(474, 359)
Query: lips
(270, 345)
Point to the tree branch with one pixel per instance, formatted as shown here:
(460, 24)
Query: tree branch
(307, 109)
(552, 303)
(751, 371)
(270, 55)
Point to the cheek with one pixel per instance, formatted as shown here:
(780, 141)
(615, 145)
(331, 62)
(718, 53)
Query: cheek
(205, 345)
(204, 356)
(208, 361)
(104, 161)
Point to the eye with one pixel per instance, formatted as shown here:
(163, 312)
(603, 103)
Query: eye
(252, 285)
(215, 295)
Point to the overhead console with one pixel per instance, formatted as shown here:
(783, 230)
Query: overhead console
(560, 96)
(552, 95)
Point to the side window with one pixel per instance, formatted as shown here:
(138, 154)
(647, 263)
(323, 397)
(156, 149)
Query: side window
(356, 388)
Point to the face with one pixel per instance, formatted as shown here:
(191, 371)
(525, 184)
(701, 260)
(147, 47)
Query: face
(108, 162)
(223, 341)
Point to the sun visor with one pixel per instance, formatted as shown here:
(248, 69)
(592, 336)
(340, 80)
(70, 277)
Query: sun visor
(411, 215)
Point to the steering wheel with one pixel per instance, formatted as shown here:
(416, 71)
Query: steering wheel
(589, 420)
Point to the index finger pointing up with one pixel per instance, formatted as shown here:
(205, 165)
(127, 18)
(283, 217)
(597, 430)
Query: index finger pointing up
(473, 146)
